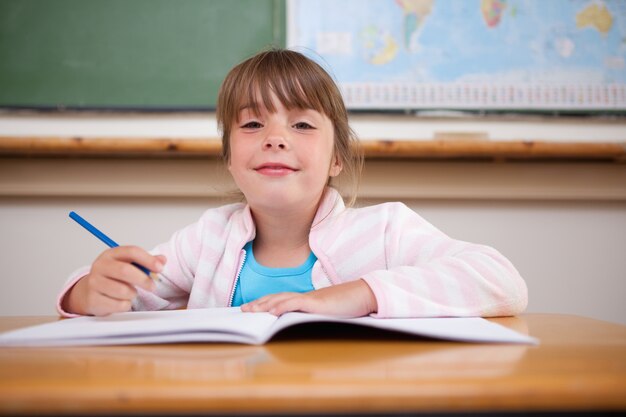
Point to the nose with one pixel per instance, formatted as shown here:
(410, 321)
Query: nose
(275, 140)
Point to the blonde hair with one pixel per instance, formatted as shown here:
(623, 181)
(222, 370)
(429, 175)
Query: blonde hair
(297, 82)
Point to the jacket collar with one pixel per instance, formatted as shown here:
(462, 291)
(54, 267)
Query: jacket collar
(330, 205)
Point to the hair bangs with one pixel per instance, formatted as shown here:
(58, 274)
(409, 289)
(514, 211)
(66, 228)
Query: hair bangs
(287, 84)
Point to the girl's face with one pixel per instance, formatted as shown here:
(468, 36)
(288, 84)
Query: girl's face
(282, 160)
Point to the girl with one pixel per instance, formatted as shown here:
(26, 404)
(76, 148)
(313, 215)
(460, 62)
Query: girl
(293, 245)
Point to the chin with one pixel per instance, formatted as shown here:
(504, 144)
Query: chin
(279, 198)
(276, 199)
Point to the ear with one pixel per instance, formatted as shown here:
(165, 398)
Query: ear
(335, 167)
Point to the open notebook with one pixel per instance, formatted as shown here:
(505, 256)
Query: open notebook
(231, 325)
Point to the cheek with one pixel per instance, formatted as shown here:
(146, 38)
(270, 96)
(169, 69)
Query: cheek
(237, 153)
(234, 162)
(323, 161)
(235, 167)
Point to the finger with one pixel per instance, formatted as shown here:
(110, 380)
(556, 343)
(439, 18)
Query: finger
(274, 299)
(115, 263)
(128, 273)
(158, 276)
(266, 302)
(139, 256)
(102, 305)
(299, 303)
(260, 303)
(115, 289)
(255, 306)
(109, 306)
(161, 258)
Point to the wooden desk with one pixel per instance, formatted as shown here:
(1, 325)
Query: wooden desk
(579, 366)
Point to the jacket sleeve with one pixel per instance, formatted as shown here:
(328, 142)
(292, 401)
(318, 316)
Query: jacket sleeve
(429, 274)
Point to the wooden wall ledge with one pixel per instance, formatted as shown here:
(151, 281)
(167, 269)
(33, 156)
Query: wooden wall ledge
(380, 149)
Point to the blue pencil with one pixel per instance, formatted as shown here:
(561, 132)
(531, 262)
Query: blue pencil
(107, 240)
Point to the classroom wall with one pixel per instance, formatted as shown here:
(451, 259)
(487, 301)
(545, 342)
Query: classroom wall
(563, 224)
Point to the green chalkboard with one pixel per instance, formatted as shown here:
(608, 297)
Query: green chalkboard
(128, 54)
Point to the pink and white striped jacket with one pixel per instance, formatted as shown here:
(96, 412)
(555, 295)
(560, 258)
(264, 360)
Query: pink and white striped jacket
(414, 269)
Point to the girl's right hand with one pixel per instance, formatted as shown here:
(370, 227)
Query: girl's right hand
(110, 286)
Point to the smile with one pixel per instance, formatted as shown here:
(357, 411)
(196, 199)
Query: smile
(275, 169)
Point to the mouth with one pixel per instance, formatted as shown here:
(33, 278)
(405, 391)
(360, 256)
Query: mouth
(274, 169)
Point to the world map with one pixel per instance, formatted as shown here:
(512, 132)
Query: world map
(468, 54)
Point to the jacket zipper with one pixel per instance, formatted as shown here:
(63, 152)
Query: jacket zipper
(232, 291)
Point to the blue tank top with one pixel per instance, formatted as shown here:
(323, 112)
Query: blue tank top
(256, 280)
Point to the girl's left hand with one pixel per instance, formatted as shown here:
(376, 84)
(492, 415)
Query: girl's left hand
(351, 299)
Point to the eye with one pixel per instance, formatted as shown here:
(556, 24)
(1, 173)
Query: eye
(252, 125)
(303, 126)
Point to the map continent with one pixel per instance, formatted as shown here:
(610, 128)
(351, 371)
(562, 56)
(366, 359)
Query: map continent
(492, 11)
(415, 12)
(596, 16)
